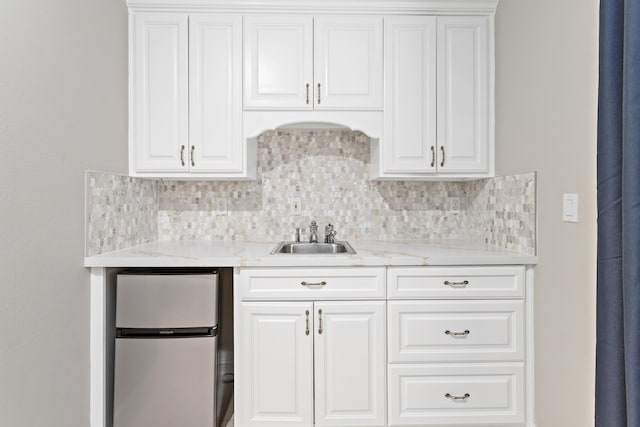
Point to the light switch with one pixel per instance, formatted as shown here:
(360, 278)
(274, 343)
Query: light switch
(570, 207)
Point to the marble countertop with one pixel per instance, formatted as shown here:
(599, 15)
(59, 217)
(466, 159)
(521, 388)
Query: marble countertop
(258, 254)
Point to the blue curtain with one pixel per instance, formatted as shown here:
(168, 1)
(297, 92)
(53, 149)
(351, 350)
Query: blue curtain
(618, 299)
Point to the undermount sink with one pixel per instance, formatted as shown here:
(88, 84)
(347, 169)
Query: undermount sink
(293, 248)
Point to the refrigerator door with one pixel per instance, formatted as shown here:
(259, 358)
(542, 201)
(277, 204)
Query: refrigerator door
(166, 301)
(165, 382)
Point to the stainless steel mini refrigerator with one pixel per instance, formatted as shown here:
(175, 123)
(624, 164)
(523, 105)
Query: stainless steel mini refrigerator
(165, 354)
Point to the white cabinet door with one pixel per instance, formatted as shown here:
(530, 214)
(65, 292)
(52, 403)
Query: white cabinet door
(275, 372)
(410, 102)
(278, 62)
(159, 98)
(348, 63)
(215, 109)
(350, 363)
(463, 94)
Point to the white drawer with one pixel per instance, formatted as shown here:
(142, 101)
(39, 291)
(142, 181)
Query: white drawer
(312, 283)
(456, 331)
(455, 282)
(435, 394)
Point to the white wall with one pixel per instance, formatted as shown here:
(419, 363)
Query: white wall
(63, 109)
(546, 106)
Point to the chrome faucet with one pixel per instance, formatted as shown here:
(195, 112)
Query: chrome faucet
(313, 232)
(329, 234)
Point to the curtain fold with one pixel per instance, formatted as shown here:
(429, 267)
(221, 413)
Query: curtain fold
(618, 288)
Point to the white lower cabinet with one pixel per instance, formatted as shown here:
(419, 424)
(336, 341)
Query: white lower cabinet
(450, 394)
(275, 376)
(312, 362)
(457, 351)
(446, 347)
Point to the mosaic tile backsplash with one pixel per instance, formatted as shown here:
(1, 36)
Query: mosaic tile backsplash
(328, 171)
(120, 212)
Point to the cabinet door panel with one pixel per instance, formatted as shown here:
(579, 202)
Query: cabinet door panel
(159, 97)
(463, 94)
(275, 375)
(350, 364)
(348, 62)
(215, 66)
(410, 101)
(278, 55)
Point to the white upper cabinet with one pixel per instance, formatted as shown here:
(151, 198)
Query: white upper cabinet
(186, 102)
(215, 109)
(463, 95)
(418, 80)
(159, 98)
(438, 113)
(410, 104)
(299, 62)
(278, 62)
(348, 62)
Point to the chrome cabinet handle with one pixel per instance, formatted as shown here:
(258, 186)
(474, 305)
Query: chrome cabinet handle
(307, 329)
(452, 397)
(320, 322)
(463, 283)
(457, 334)
(307, 93)
(433, 156)
(193, 160)
(318, 93)
(182, 155)
(323, 283)
(442, 162)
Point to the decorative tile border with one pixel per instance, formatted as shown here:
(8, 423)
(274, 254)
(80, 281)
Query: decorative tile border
(328, 171)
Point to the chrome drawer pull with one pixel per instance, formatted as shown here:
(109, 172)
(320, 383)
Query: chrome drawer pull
(463, 283)
(307, 330)
(320, 318)
(457, 334)
(452, 397)
(323, 283)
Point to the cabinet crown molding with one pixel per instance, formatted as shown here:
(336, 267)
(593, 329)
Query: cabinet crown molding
(405, 7)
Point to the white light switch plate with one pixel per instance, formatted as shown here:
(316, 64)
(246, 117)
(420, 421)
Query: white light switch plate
(570, 207)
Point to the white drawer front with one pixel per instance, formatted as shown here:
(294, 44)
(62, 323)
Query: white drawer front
(435, 394)
(456, 331)
(312, 283)
(456, 282)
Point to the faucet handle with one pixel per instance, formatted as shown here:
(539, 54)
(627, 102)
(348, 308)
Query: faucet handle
(329, 234)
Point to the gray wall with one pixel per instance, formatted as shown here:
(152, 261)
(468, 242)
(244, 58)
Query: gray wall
(546, 104)
(63, 109)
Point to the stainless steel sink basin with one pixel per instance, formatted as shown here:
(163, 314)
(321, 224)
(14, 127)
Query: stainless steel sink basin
(293, 248)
